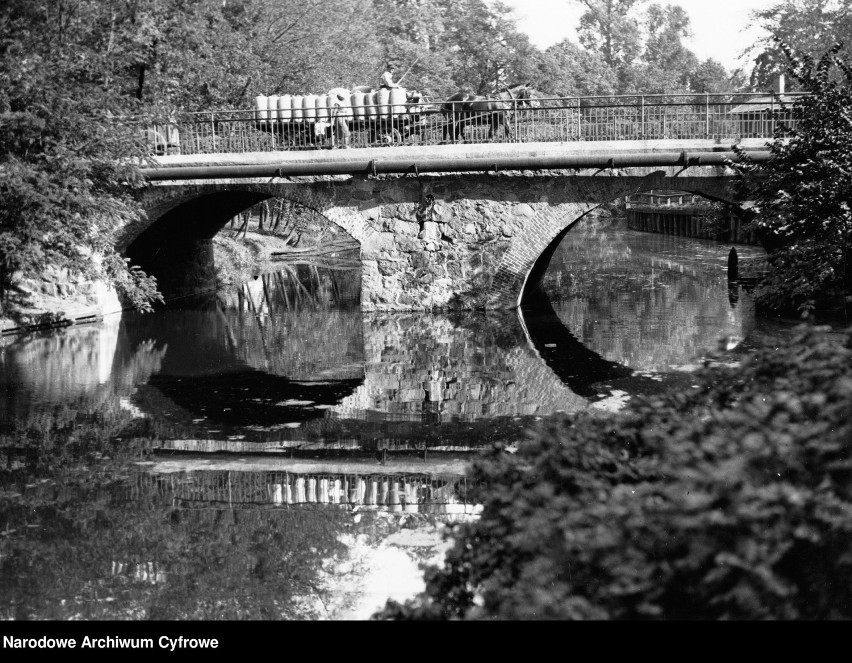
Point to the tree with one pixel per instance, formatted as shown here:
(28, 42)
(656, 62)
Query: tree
(667, 26)
(413, 37)
(803, 194)
(711, 76)
(66, 180)
(608, 27)
(807, 26)
(565, 69)
(488, 51)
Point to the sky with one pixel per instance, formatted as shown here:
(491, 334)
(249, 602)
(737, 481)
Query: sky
(718, 26)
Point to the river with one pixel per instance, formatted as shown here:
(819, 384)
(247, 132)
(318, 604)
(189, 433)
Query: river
(271, 451)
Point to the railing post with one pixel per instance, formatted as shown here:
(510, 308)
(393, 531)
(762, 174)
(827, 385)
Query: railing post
(515, 114)
(642, 118)
(707, 115)
(579, 125)
(213, 137)
(771, 124)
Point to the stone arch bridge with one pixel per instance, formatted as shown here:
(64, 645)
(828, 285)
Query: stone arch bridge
(439, 241)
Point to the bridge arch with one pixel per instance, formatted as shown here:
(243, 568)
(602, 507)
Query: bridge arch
(172, 241)
(537, 250)
(451, 241)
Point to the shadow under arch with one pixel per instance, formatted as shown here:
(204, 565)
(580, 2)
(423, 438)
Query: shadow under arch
(177, 248)
(583, 370)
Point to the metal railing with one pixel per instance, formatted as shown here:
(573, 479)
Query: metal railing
(722, 118)
(667, 199)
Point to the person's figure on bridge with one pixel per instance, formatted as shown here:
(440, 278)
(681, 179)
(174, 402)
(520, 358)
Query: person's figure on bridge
(387, 78)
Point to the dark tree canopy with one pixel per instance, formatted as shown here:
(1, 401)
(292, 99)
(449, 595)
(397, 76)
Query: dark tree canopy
(803, 195)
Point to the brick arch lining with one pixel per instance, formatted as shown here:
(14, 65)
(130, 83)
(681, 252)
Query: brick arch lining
(159, 206)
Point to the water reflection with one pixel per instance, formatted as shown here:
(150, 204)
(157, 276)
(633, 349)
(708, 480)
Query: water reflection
(289, 358)
(207, 461)
(647, 301)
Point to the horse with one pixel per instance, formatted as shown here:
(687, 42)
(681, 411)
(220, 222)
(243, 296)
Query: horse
(463, 108)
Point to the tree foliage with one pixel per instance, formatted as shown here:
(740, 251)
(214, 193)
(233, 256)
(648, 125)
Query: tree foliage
(643, 45)
(65, 179)
(731, 501)
(565, 69)
(803, 194)
(608, 27)
(807, 26)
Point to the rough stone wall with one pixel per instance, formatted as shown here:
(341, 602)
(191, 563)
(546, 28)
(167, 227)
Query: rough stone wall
(58, 296)
(457, 241)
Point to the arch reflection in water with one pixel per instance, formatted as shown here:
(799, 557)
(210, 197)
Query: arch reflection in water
(274, 352)
(291, 358)
(650, 302)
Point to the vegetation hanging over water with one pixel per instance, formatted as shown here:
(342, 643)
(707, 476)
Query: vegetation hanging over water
(803, 194)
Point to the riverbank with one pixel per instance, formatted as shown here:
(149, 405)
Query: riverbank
(60, 299)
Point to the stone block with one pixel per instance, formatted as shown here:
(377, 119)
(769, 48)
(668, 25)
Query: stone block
(424, 276)
(388, 267)
(405, 228)
(400, 194)
(522, 209)
(442, 213)
(381, 241)
(407, 244)
(420, 260)
(431, 231)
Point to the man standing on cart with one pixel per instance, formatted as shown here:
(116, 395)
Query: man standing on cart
(387, 78)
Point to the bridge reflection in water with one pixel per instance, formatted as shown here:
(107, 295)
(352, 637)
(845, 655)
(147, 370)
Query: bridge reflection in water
(208, 460)
(278, 374)
(439, 495)
(256, 366)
